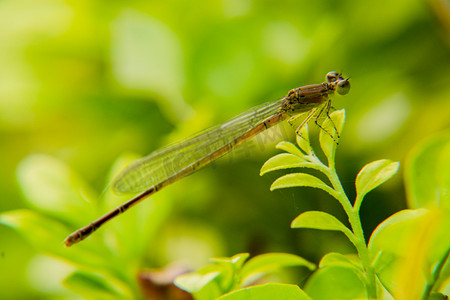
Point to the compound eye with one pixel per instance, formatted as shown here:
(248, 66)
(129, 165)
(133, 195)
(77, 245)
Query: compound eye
(332, 76)
(343, 87)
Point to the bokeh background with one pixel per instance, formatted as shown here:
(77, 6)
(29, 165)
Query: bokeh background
(83, 83)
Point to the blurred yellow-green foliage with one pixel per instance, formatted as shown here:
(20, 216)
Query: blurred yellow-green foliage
(87, 81)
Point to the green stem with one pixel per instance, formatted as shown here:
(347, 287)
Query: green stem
(355, 223)
(435, 276)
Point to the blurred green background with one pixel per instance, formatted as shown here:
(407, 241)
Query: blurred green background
(86, 82)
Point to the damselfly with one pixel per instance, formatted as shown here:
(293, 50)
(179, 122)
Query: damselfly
(167, 165)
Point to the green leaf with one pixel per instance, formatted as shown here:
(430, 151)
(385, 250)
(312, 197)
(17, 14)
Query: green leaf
(318, 220)
(236, 260)
(322, 221)
(231, 267)
(264, 263)
(336, 282)
(283, 161)
(194, 282)
(301, 179)
(209, 291)
(42, 231)
(407, 247)
(50, 186)
(427, 173)
(146, 55)
(333, 258)
(327, 143)
(388, 242)
(303, 140)
(268, 291)
(47, 235)
(225, 273)
(372, 175)
(204, 284)
(290, 148)
(94, 286)
(396, 230)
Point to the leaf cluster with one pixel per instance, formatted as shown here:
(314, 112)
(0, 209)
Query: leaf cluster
(407, 255)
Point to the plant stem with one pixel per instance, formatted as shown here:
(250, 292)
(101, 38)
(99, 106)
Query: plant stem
(435, 276)
(355, 223)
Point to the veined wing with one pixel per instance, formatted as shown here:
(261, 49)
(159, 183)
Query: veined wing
(168, 161)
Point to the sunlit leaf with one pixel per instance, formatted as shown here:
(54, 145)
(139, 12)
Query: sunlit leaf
(336, 282)
(333, 128)
(290, 148)
(264, 263)
(194, 282)
(146, 55)
(52, 187)
(209, 291)
(427, 173)
(94, 286)
(205, 283)
(301, 179)
(231, 267)
(322, 221)
(236, 260)
(303, 140)
(372, 175)
(334, 258)
(215, 279)
(283, 161)
(268, 291)
(47, 235)
(388, 243)
(407, 247)
(40, 230)
(396, 228)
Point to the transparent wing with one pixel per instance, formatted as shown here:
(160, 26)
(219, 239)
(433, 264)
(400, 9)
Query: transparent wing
(168, 161)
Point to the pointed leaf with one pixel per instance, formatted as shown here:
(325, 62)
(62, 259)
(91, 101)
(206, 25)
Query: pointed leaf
(333, 128)
(194, 282)
(336, 282)
(43, 232)
(290, 148)
(301, 179)
(237, 260)
(334, 258)
(93, 286)
(204, 284)
(272, 261)
(427, 175)
(322, 221)
(372, 175)
(230, 268)
(303, 140)
(47, 235)
(395, 231)
(283, 161)
(318, 220)
(208, 292)
(425, 236)
(268, 291)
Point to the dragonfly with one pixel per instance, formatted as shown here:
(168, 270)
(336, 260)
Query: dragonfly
(148, 175)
